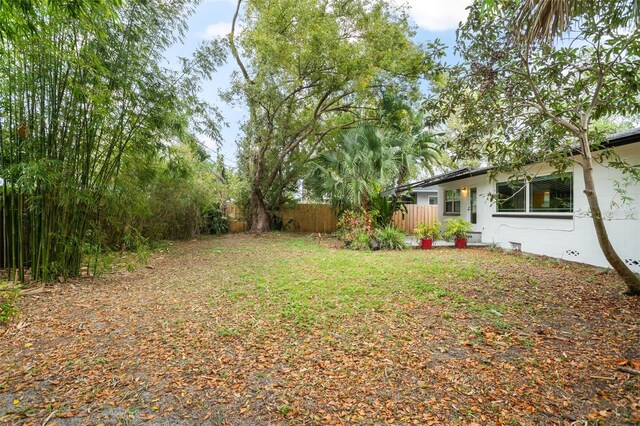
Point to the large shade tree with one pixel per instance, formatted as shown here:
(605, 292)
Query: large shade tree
(308, 68)
(523, 101)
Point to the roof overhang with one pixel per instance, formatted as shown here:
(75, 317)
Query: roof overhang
(617, 139)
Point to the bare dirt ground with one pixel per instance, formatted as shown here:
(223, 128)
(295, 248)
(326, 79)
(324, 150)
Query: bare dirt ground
(282, 329)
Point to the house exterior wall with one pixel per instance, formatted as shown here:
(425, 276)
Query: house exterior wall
(571, 238)
(422, 197)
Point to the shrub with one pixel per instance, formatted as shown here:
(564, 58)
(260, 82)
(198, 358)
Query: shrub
(8, 297)
(360, 241)
(351, 223)
(391, 238)
(428, 231)
(383, 208)
(214, 222)
(457, 228)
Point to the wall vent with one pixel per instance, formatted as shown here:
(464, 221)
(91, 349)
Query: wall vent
(574, 253)
(515, 246)
(632, 262)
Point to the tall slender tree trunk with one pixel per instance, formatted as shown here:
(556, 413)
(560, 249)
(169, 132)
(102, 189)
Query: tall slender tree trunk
(631, 279)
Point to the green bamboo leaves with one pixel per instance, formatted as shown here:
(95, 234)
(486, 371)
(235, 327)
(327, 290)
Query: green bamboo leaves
(77, 91)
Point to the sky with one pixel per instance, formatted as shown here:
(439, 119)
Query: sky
(212, 18)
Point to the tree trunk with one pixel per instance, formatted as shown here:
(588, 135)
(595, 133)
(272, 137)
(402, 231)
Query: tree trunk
(258, 216)
(628, 276)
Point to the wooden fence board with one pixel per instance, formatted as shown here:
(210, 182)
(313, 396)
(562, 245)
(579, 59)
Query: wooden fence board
(321, 218)
(236, 218)
(310, 218)
(414, 215)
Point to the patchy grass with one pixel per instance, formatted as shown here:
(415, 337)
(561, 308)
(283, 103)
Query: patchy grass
(283, 329)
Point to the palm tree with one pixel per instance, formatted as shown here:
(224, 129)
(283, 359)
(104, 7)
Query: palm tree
(350, 175)
(542, 20)
(413, 143)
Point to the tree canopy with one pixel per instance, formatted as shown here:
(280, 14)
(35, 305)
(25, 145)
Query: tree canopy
(522, 102)
(308, 69)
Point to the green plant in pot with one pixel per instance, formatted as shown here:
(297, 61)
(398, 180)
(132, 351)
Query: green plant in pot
(427, 234)
(457, 230)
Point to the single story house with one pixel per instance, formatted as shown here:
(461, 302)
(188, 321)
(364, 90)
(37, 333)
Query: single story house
(548, 215)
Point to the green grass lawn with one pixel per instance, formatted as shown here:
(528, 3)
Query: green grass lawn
(289, 329)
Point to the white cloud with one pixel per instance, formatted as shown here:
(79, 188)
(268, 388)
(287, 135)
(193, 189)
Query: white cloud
(437, 15)
(220, 29)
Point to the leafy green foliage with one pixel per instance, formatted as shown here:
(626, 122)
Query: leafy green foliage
(9, 294)
(353, 226)
(361, 241)
(307, 70)
(82, 92)
(170, 196)
(214, 221)
(391, 238)
(428, 231)
(382, 209)
(456, 228)
(355, 171)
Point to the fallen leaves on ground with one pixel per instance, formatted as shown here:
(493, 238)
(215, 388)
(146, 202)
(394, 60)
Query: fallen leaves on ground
(283, 329)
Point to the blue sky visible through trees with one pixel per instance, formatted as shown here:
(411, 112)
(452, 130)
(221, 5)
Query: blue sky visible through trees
(212, 18)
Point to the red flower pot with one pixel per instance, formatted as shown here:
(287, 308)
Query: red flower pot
(461, 243)
(426, 243)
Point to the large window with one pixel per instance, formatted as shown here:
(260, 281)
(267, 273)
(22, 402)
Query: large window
(511, 197)
(551, 194)
(544, 194)
(452, 201)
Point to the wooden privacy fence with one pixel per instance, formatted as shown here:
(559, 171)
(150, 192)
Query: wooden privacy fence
(236, 218)
(310, 218)
(414, 215)
(321, 218)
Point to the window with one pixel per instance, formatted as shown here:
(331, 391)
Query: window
(551, 194)
(452, 201)
(543, 194)
(433, 201)
(510, 197)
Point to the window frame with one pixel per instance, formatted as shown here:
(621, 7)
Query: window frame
(542, 210)
(522, 191)
(452, 202)
(540, 214)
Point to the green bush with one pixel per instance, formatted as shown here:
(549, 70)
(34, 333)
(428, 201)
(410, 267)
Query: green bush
(391, 238)
(351, 223)
(383, 208)
(8, 296)
(214, 222)
(162, 197)
(360, 241)
(457, 228)
(428, 231)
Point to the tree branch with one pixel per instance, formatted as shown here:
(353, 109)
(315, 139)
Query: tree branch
(232, 44)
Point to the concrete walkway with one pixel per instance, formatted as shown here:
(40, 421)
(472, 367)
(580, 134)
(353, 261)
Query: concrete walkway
(415, 242)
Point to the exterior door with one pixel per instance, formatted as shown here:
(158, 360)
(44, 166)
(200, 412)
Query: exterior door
(473, 205)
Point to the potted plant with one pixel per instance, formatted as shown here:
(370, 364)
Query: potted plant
(457, 230)
(427, 233)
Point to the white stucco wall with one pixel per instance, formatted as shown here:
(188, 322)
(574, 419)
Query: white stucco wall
(573, 238)
(422, 197)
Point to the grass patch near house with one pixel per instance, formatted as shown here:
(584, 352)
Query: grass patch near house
(288, 329)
